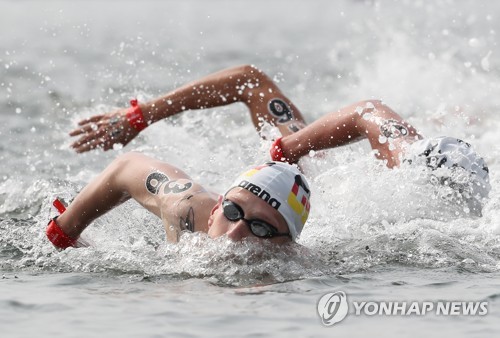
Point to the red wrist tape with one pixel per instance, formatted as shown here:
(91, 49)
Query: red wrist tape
(135, 116)
(57, 236)
(276, 152)
(59, 206)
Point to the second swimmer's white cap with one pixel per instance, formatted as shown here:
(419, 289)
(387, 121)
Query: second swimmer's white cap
(452, 153)
(283, 187)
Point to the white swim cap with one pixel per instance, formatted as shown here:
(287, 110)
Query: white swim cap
(452, 153)
(283, 187)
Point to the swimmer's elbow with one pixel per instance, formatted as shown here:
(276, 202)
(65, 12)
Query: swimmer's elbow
(121, 172)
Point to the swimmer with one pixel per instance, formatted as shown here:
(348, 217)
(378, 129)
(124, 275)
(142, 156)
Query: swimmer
(269, 202)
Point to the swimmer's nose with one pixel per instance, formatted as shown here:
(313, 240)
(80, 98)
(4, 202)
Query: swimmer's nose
(238, 230)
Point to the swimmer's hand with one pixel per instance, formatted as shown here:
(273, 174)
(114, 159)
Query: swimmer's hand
(103, 131)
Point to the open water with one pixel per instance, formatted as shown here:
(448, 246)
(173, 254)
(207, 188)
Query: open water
(375, 234)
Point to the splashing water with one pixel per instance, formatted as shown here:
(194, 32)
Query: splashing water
(439, 71)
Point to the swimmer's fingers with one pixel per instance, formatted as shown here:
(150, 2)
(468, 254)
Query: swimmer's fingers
(87, 124)
(89, 145)
(85, 129)
(104, 143)
(109, 133)
(89, 140)
(93, 119)
(100, 139)
(97, 120)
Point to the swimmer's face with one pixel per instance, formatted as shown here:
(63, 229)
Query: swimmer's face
(253, 208)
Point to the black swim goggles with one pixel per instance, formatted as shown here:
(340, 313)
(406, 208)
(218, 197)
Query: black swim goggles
(259, 228)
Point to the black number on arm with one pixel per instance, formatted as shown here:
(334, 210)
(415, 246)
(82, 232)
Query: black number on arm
(393, 129)
(281, 110)
(154, 181)
(175, 187)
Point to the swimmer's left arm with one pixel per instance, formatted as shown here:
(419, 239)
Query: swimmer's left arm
(245, 84)
(342, 127)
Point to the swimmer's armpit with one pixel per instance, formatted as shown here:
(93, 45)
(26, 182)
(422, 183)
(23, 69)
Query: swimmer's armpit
(187, 222)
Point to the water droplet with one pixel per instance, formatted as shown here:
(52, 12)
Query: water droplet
(367, 116)
(474, 42)
(485, 62)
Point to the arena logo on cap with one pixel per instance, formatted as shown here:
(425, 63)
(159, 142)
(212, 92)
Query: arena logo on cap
(261, 193)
